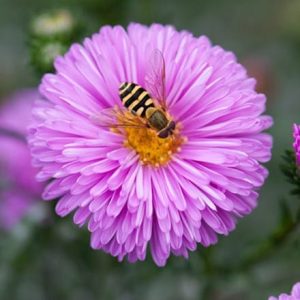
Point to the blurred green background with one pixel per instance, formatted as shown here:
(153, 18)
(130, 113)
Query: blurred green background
(54, 261)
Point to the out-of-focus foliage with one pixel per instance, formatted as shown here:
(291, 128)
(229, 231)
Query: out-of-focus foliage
(45, 257)
(290, 21)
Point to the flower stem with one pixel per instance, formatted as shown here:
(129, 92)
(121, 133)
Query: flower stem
(264, 249)
(267, 247)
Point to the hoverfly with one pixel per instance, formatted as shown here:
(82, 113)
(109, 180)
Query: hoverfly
(146, 107)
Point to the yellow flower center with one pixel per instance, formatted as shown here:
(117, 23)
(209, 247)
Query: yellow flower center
(151, 149)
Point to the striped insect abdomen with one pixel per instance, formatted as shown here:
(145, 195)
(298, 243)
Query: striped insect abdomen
(135, 98)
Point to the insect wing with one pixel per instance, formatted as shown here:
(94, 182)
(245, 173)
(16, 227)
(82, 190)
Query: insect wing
(116, 118)
(106, 117)
(155, 77)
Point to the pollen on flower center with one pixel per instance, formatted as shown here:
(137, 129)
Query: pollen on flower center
(145, 141)
(152, 149)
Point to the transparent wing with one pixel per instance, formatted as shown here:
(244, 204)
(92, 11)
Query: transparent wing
(116, 117)
(155, 77)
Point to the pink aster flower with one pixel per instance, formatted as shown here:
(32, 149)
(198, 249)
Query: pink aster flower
(295, 295)
(131, 187)
(296, 143)
(18, 187)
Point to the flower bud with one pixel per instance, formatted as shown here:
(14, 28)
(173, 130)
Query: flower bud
(59, 23)
(44, 53)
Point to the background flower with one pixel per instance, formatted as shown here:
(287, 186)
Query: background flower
(295, 295)
(202, 190)
(18, 187)
(296, 143)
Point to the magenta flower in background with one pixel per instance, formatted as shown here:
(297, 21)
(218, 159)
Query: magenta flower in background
(295, 295)
(296, 143)
(18, 187)
(132, 188)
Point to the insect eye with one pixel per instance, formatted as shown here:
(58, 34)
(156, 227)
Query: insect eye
(172, 125)
(163, 134)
